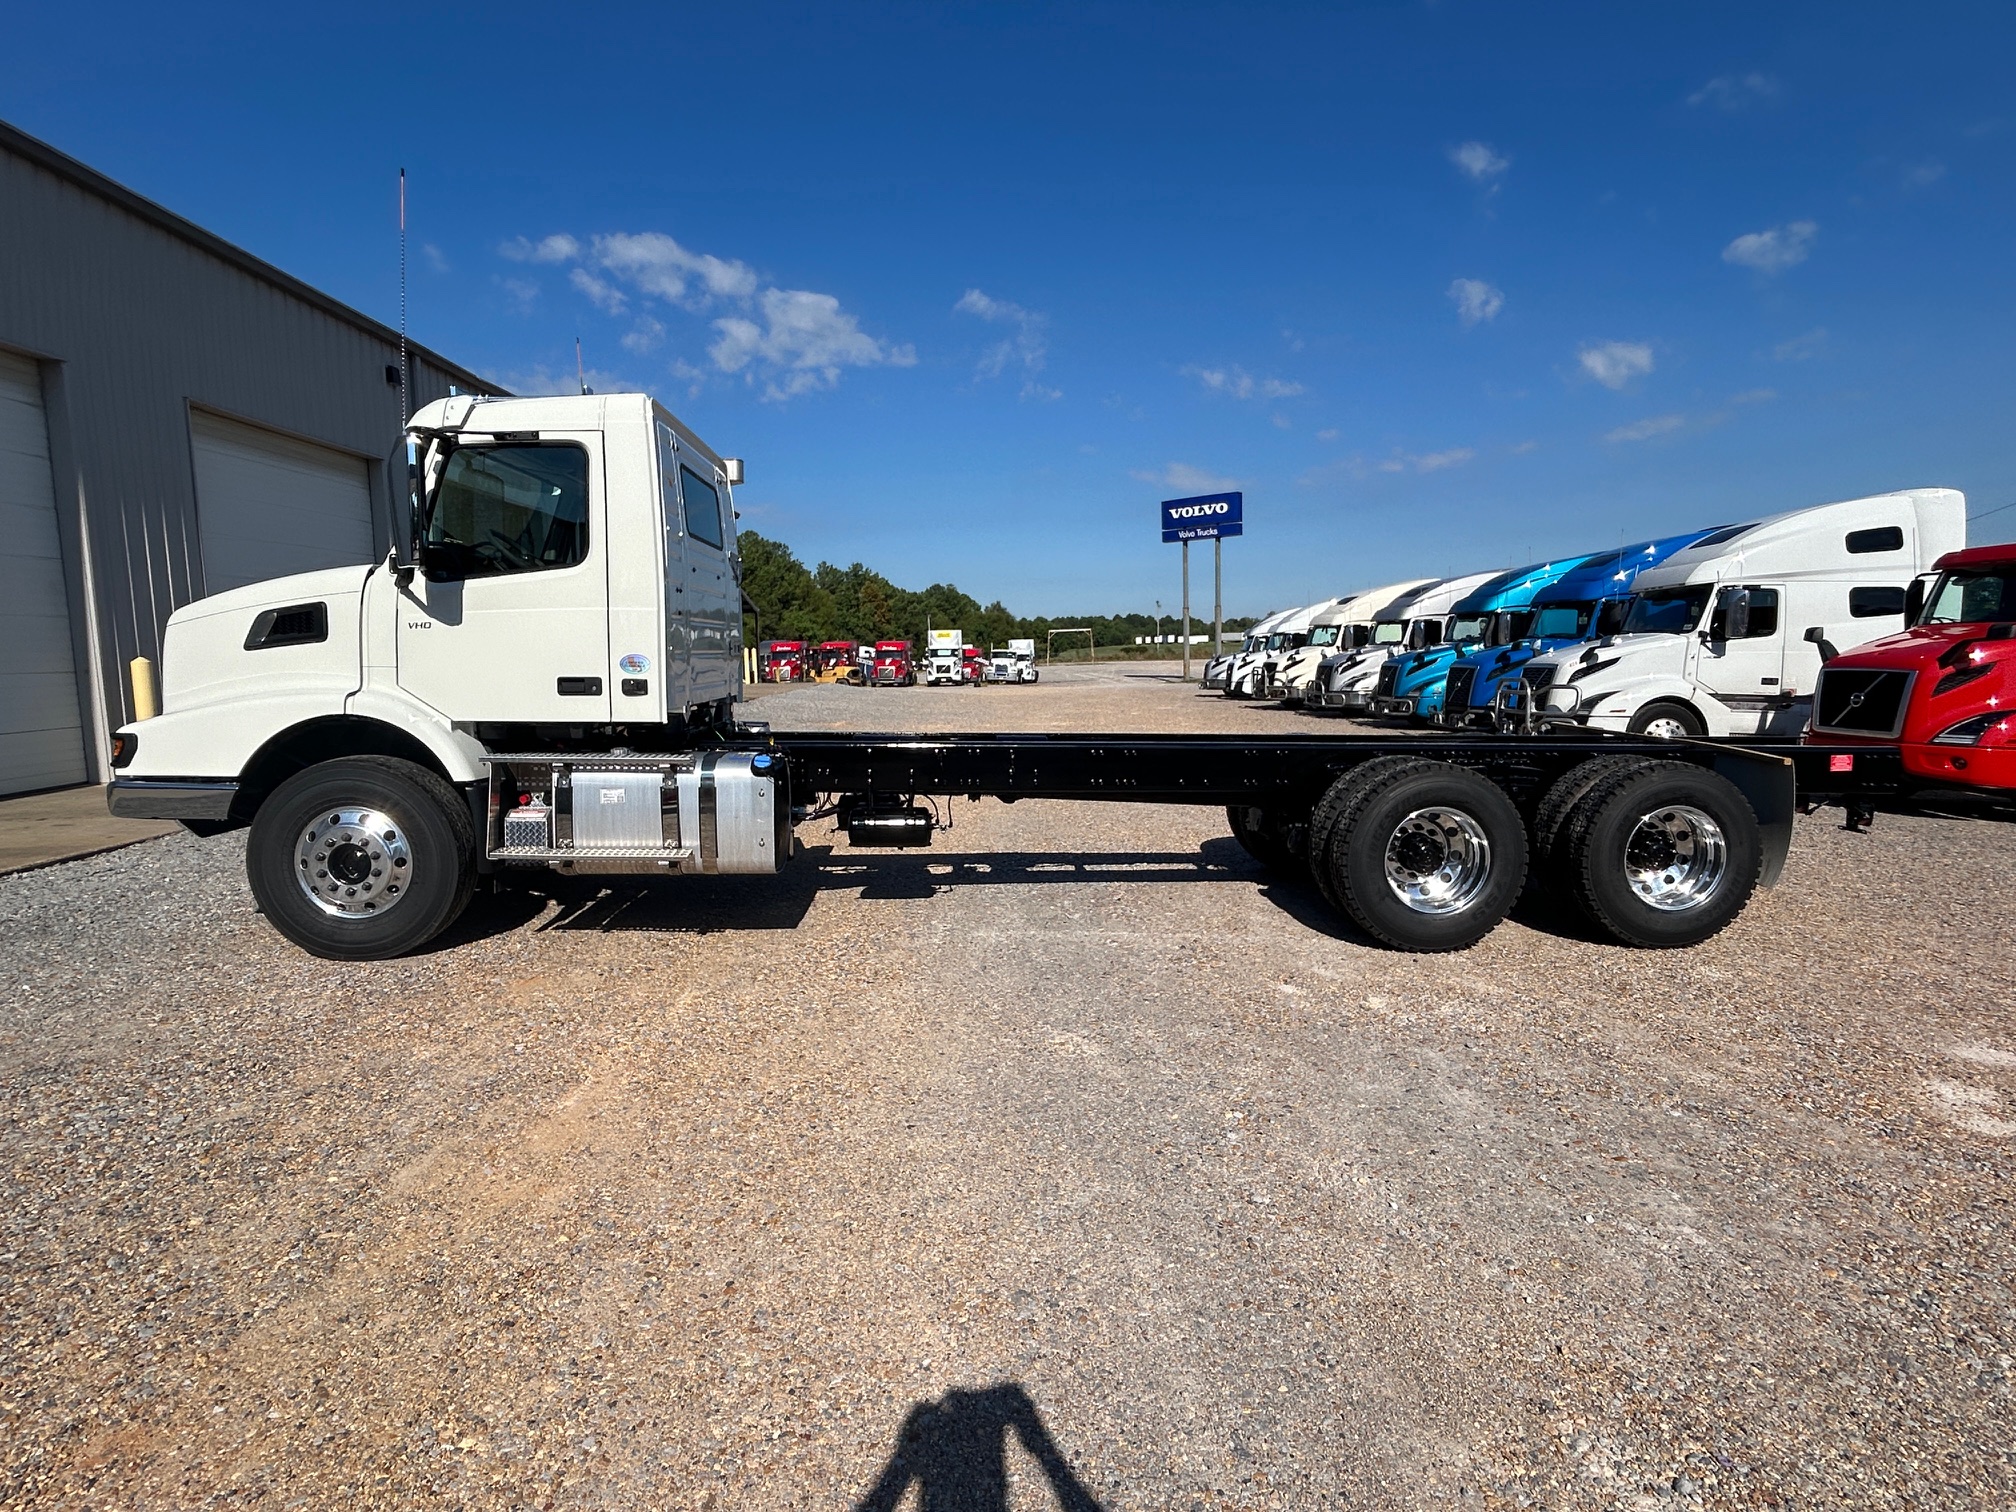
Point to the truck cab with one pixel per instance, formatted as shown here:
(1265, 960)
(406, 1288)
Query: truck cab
(1013, 663)
(945, 658)
(1944, 689)
(1218, 670)
(785, 662)
(1713, 644)
(1586, 604)
(837, 662)
(891, 666)
(1499, 612)
(973, 665)
(1285, 632)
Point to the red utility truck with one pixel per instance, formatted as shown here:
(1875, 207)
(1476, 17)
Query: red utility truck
(892, 667)
(1944, 690)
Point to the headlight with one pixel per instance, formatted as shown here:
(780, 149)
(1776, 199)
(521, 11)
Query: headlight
(1973, 731)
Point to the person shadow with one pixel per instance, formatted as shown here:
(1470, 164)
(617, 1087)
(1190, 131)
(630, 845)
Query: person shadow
(955, 1451)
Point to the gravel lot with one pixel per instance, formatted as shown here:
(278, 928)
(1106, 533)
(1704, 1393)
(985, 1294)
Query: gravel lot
(1076, 1134)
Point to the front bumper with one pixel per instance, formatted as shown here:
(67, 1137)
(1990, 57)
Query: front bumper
(139, 798)
(1394, 708)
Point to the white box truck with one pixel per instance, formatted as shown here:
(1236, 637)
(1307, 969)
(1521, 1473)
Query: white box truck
(1723, 638)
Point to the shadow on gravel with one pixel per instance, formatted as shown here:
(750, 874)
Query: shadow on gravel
(955, 1451)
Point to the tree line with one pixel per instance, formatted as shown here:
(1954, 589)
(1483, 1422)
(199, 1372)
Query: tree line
(796, 602)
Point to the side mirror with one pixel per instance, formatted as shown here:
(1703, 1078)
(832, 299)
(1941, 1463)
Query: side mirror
(1817, 635)
(1914, 601)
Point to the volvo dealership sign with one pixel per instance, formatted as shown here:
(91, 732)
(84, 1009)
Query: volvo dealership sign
(1207, 517)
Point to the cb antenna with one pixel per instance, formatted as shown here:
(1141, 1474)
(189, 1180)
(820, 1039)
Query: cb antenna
(405, 413)
(580, 373)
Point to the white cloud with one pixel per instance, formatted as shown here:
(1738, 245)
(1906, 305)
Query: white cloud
(550, 249)
(1478, 161)
(523, 292)
(644, 336)
(1028, 347)
(1524, 447)
(1645, 430)
(436, 258)
(1476, 300)
(1282, 422)
(1775, 250)
(1735, 91)
(605, 296)
(1754, 396)
(1616, 363)
(1328, 433)
(801, 343)
(1240, 384)
(1186, 479)
(659, 266)
(1798, 348)
(1436, 461)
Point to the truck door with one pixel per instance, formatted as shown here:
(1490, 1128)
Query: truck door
(1747, 674)
(507, 619)
(678, 626)
(713, 606)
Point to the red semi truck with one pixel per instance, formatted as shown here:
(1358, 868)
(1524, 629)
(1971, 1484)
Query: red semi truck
(1943, 691)
(892, 665)
(784, 662)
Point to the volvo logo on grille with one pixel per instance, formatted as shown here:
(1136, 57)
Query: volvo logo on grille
(1855, 700)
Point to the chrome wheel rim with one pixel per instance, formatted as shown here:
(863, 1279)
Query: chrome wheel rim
(1676, 858)
(354, 862)
(1438, 860)
(1666, 727)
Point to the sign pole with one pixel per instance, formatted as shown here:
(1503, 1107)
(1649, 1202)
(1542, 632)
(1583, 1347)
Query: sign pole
(1217, 597)
(1186, 611)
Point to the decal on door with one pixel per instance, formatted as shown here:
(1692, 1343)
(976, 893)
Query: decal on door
(635, 664)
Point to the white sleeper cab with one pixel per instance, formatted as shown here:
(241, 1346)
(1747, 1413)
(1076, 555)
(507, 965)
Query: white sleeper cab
(1724, 638)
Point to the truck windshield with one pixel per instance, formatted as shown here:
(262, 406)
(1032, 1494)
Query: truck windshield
(1388, 633)
(1967, 598)
(1324, 635)
(497, 509)
(1561, 621)
(1468, 627)
(1668, 611)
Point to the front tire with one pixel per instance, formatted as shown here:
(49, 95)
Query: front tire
(1669, 719)
(362, 859)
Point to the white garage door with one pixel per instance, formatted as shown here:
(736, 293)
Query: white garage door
(268, 505)
(41, 742)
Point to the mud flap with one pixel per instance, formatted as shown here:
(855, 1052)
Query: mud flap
(1771, 784)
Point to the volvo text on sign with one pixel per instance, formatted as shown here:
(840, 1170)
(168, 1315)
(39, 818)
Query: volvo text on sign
(1207, 517)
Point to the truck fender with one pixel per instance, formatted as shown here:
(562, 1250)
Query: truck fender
(1637, 692)
(459, 757)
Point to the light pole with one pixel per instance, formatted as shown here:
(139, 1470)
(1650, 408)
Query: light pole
(1158, 622)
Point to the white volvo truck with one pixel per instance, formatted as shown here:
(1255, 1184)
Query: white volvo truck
(1724, 638)
(544, 678)
(945, 658)
(1339, 630)
(1218, 670)
(1413, 622)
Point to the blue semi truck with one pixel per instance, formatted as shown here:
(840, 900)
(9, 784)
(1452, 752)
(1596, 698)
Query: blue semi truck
(1495, 614)
(1584, 604)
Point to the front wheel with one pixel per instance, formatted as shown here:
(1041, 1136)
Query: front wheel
(362, 859)
(1669, 720)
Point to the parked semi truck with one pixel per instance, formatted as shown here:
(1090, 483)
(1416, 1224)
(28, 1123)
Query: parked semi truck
(891, 666)
(945, 658)
(1340, 630)
(1411, 686)
(1413, 623)
(784, 662)
(543, 678)
(1943, 689)
(1217, 675)
(1586, 604)
(1252, 670)
(838, 662)
(1014, 662)
(1716, 639)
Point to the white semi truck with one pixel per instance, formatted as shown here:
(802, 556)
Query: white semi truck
(544, 678)
(1724, 637)
(945, 658)
(1412, 622)
(1344, 627)
(1013, 663)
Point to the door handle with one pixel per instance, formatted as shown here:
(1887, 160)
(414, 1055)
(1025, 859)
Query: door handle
(580, 687)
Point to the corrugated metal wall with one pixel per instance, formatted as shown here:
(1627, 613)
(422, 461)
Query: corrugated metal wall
(134, 325)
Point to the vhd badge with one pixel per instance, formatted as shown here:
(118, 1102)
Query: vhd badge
(635, 665)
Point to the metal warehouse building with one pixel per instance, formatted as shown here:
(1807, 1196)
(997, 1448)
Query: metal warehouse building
(176, 418)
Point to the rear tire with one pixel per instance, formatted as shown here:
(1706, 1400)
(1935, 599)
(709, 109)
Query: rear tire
(1549, 864)
(1339, 802)
(1260, 835)
(1669, 719)
(362, 859)
(1663, 855)
(1427, 860)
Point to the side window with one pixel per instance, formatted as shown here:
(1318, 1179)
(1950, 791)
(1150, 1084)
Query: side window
(1881, 538)
(514, 508)
(703, 507)
(1874, 603)
(668, 477)
(1763, 612)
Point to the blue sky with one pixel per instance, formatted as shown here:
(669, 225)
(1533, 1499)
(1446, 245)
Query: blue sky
(1443, 286)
